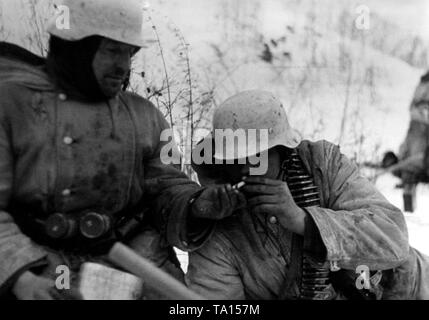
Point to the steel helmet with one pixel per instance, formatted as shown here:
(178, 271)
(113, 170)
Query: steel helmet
(122, 21)
(258, 110)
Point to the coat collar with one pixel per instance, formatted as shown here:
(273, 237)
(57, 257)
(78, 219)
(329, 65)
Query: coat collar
(22, 67)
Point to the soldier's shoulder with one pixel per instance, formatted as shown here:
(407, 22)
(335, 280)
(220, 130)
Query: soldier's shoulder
(318, 152)
(13, 94)
(321, 146)
(10, 88)
(136, 99)
(138, 103)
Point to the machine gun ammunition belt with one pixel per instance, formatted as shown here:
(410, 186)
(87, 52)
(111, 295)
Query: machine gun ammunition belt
(315, 281)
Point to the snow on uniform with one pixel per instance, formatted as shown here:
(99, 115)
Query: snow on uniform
(356, 226)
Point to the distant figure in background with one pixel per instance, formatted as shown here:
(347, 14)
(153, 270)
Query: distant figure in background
(412, 162)
(80, 160)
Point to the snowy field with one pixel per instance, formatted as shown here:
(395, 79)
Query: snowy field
(418, 221)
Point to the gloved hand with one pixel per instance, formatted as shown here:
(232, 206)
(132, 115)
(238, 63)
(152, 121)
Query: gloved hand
(32, 287)
(389, 159)
(218, 202)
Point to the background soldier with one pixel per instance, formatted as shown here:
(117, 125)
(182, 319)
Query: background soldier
(412, 162)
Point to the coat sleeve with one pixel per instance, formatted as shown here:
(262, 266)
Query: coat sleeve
(17, 251)
(170, 191)
(359, 226)
(212, 274)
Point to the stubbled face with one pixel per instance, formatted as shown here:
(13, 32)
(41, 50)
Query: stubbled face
(235, 172)
(111, 65)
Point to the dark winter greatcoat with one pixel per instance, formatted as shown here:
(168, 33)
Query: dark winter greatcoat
(59, 155)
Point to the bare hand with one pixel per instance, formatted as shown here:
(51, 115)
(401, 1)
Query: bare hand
(274, 198)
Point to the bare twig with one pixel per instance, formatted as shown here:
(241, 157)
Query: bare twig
(38, 13)
(161, 50)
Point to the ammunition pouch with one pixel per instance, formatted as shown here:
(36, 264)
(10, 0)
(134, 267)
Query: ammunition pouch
(88, 232)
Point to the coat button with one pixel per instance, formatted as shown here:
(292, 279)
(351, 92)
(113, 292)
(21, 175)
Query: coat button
(62, 97)
(68, 140)
(66, 192)
(273, 220)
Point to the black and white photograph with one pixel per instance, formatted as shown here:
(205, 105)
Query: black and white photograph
(233, 151)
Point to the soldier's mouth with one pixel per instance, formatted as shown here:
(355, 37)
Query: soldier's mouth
(115, 79)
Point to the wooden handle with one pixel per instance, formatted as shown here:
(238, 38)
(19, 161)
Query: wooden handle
(156, 278)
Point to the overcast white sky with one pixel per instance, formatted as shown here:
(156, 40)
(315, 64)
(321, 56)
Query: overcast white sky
(409, 14)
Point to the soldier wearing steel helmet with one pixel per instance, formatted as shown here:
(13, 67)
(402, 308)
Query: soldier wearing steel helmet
(80, 164)
(411, 165)
(312, 227)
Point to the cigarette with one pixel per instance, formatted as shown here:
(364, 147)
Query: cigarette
(239, 185)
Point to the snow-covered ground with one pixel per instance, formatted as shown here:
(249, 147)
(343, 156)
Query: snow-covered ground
(418, 221)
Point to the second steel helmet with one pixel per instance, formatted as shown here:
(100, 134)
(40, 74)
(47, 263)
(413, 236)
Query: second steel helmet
(253, 111)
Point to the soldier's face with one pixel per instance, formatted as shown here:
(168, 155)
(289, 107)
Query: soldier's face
(111, 65)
